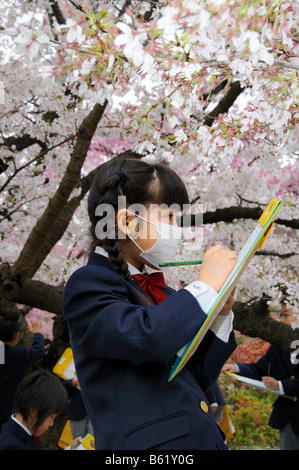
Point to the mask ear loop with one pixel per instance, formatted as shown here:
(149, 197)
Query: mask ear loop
(132, 239)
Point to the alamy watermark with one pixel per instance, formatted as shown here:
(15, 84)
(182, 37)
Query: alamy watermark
(2, 353)
(295, 353)
(140, 215)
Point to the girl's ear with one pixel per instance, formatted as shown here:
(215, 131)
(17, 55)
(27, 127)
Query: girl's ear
(127, 223)
(16, 337)
(121, 222)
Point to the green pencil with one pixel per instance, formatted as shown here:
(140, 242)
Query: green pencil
(179, 263)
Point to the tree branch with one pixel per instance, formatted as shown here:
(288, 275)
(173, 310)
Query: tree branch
(225, 103)
(253, 319)
(274, 253)
(57, 12)
(229, 214)
(37, 245)
(40, 295)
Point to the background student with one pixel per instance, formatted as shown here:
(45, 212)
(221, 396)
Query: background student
(17, 360)
(40, 397)
(76, 413)
(279, 370)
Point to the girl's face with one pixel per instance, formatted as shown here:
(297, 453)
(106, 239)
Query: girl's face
(287, 315)
(44, 426)
(146, 233)
(143, 232)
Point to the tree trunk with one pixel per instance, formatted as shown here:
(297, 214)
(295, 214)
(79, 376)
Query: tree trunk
(253, 319)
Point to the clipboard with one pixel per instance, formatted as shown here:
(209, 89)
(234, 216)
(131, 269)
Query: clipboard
(87, 443)
(65, 367)
(256, 241)
(255, 383)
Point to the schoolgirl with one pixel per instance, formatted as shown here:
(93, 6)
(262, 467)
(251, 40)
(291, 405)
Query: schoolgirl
(40, 397)
(126, 326)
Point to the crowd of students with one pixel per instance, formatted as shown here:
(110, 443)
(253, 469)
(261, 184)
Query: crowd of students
(30, 401)
(28, 410)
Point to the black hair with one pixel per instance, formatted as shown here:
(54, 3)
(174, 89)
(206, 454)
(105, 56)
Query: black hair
(8, 328)
(40, 392)
(140, 183)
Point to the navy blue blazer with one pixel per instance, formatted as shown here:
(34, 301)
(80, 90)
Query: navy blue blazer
(123, 351)
(214, 394)
(14, 437)
(285, 410)
(75, 408)
(17, 361)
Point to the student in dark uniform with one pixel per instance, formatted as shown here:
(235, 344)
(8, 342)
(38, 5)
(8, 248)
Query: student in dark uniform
(216, 401)
(40, 397)
(76, 413)
(279, 370)
(126, 326)
(17, 360)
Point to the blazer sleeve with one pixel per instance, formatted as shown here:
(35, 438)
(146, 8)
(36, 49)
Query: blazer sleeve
(258, 369)
(209, 358)
(110, 323)
(291, 386)
(37, 350)
(255, 370)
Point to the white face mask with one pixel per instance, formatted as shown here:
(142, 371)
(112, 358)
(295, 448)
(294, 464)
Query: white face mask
(166, 246)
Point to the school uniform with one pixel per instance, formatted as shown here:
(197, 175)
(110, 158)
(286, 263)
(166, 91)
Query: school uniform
(284, 368)
(17, 437)
(75, 409)
(76, 412)
(124, 349)
(17, 361)
(216, 398)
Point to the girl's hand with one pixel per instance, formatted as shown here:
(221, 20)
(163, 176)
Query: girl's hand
(228, 304)
(35, 327)
(217, 264)
(75, 382)
(271, 383)
(75, 443)
(229, 367)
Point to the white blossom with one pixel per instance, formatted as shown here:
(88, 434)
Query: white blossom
(180, 135)
(30, 42)
(133, 48)
(87, 65)
(75, 32)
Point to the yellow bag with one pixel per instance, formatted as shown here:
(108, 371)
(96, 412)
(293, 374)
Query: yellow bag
(226, 424)
(65, 367)
(66, 437)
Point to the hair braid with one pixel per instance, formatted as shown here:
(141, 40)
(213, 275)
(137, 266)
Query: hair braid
(116, 257)
(108, 190)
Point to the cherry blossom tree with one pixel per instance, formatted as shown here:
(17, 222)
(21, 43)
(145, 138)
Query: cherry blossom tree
(210, 87)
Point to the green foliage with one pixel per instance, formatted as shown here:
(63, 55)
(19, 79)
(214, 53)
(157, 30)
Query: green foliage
(249, 408)
(249, 411)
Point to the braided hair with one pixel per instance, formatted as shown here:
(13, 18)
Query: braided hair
(140, 183)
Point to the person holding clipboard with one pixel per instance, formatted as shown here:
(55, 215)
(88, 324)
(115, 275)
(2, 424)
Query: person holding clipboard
(126, 326)
(279, 371)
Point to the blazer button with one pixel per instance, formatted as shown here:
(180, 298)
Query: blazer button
(204, 406)
(292, 377)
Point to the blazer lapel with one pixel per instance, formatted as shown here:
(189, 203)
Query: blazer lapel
(100, 260)
(22, 435)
